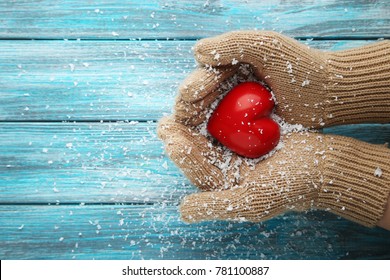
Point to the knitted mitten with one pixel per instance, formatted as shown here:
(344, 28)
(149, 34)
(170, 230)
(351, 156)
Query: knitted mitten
(312, 87)
(342, 175)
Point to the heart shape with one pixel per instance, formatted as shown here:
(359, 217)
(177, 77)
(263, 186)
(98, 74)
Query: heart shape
(242, 121)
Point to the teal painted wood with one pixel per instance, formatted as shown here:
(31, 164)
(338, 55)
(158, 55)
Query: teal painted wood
(371, 133)
(49, 80)
(57, 80)
(117, 19)
(102, 163)
(155, 232)
(86, 162)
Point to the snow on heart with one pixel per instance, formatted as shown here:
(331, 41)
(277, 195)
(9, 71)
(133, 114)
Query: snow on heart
(231, 163)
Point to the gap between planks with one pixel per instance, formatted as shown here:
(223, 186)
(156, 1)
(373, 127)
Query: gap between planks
(194, 39)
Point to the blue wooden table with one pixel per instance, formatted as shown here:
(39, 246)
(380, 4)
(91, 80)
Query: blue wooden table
(82, 85)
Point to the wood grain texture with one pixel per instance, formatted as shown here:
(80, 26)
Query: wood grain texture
(71, 80)
(86, 163)
(113, 19)
(102, 163)
(92, 190)
(49, 80)
(155, 232)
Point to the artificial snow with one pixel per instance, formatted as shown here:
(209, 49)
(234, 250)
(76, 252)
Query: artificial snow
(378, 172)
(230, 163)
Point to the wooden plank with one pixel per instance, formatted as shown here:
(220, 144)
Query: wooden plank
(76, 163)
(72, 80)
(102, 163)
(155, 232)
(371, 133)
(117, 19)
(49, 80)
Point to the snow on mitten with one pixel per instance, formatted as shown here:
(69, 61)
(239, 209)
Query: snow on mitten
(312, 171)
(312, 87)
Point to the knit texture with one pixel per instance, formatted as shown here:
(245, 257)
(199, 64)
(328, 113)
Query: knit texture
(295, 73)
(198, 91)
(312, 87)
(356, 180)
(359, 85)
(312, 171)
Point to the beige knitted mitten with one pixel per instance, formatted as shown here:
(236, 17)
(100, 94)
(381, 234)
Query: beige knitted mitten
(339, 174)
(312, 87)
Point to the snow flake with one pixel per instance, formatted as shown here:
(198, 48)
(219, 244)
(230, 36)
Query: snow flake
(289, 67)
(378, 172)
(165, 165)
(306, 82)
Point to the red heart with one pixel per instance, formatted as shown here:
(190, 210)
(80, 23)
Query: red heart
(241, 121)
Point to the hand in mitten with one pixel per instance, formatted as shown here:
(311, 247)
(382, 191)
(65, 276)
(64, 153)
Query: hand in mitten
(312, 87)
(311, 171)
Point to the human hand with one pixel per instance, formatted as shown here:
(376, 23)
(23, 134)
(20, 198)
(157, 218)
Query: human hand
(233, 188)
(310, 171)
(312, 87)
(243, 189)
(296, 74)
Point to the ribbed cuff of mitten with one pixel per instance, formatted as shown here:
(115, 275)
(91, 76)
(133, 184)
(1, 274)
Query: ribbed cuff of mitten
(356, 182)
(359, 85)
